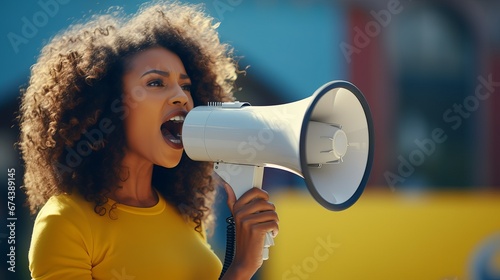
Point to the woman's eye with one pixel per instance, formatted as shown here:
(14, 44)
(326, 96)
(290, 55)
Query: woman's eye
(186, 87)
(155, 83)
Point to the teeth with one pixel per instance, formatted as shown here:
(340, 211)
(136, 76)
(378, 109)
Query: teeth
(177, 119)
(176, 141)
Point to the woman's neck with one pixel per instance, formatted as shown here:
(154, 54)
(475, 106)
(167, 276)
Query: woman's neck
(135, 189)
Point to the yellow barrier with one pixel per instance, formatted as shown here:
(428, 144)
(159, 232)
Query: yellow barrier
(387, 236)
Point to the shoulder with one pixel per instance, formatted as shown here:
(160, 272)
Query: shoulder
(62, 238)
(62, 216)
(69, 205)
(64, 220)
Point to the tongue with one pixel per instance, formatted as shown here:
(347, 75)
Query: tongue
(169, 131)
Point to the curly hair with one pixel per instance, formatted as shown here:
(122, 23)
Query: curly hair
(72, 112)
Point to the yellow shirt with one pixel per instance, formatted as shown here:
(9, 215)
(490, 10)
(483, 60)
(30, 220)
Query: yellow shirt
(70, 241)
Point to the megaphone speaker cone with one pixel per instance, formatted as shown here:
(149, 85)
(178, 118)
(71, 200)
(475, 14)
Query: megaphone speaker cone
(336, 177)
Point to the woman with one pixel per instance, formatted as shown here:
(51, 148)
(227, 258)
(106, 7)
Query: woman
(100, 136)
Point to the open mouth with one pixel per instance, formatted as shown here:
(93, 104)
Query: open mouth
(172, 130)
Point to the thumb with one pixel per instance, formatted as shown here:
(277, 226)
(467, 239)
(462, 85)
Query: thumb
(231, 197)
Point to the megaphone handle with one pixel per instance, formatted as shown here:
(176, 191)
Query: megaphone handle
(242, 178)
(267, 243)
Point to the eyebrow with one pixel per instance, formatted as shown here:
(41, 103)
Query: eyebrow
(163, 73)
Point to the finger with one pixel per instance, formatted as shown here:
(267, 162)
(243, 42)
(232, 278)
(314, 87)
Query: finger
(258, 218)
(254, 206)
(231, 197)
(265, 227)
(250, 195)
(272, 227)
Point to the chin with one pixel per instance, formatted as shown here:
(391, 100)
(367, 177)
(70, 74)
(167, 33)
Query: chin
(172, 162)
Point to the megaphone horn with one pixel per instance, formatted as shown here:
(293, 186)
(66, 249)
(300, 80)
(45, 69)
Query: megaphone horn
(326, 138)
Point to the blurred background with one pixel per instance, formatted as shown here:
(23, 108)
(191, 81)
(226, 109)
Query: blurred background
(430, 71)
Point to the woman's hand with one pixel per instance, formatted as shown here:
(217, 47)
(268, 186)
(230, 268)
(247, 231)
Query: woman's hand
(254, 216)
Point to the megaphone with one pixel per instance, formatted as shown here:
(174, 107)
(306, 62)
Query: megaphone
(326, 138)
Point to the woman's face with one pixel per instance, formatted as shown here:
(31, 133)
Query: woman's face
(157, 97)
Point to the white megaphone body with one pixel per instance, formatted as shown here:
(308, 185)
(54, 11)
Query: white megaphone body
(326, 138)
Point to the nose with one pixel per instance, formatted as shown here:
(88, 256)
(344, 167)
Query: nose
(179, 97)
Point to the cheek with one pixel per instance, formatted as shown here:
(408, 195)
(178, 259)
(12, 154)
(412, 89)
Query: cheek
(140, 123)
(190, 104)
(133, 129)
(135, 96)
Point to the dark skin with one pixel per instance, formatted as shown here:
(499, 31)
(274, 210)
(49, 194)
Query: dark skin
(254, 216)
(157, 88)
